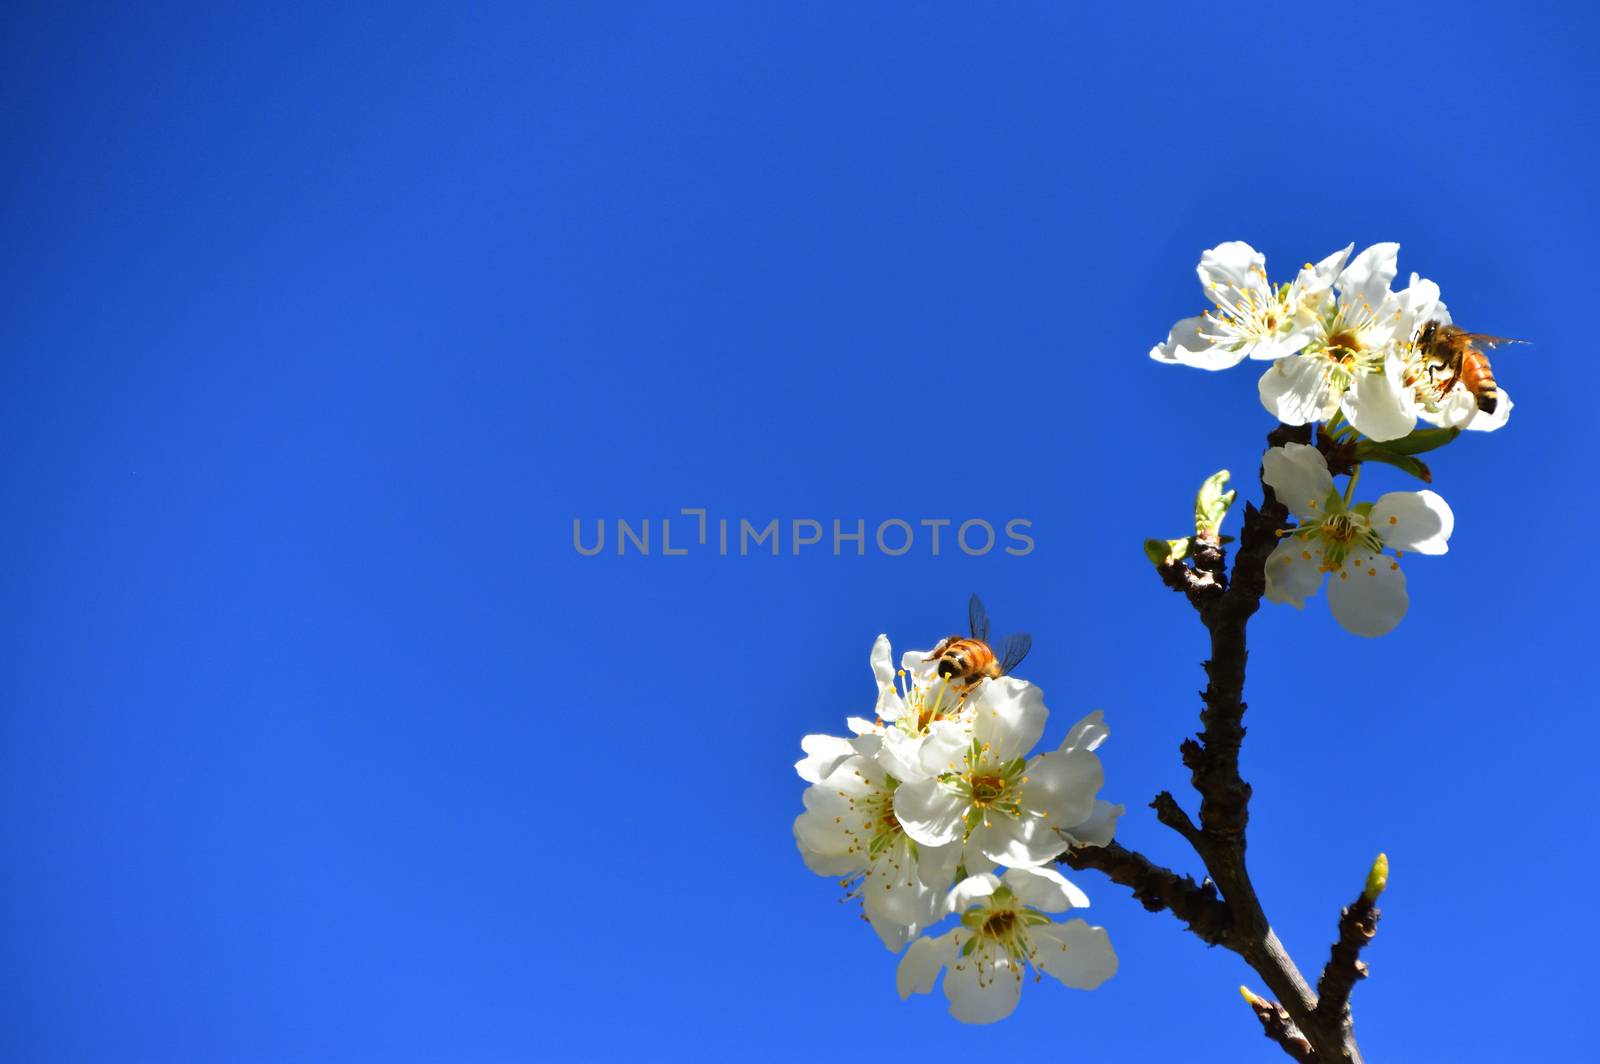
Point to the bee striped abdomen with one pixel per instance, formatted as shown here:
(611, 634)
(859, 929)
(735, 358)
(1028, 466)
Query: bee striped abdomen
(965, 660)
(1478, 378)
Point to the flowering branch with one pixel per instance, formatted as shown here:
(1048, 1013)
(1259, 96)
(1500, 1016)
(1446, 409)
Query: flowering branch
(1225, 603)
(924, 803)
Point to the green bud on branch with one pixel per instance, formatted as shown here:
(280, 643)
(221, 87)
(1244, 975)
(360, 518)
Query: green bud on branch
(1378, 878)
(1211, 505)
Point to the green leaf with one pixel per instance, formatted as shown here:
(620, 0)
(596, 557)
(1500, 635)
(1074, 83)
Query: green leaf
(1211, 504)
(1405, 462)
(1166, 551)
(1419, 442)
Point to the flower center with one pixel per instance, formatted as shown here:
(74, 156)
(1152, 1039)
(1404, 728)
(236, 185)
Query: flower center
(1341, 533)
(927, 703)
(1000, 925)
(1348, 341)
(1254, 313)
(987, 785)
(1341, 528)
(988, 789)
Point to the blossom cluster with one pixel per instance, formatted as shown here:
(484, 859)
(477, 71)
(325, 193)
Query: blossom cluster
(922, 805)
(1340, 340)
(1355, 358)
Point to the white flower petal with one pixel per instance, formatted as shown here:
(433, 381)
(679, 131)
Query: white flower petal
(1062, 785)
(1417, 521)
(1368, 594)
(930, 812)
(1186, 347)
(823, 832)
(918, 666)
(1231, 271)
(1367, 278)
(1478, 421)
(995, 837)
(1017, 842)
(1456, 410)
(823, 755)
(823, 850)
(893, 936)
(919, 968)
(1295, 390)
(901, 756)
(1045, 889)
(1098, 829)
(894, 892)
(1088, 733)
(942, 746)
(1009, 716)
(1379, 406)
(1293, 572)
(1075, 953)
(972, 890)
(982, 992)
(1283, 344)
(974, 861)
(1418, 303)
(936, 866)
(1319, 278)
(1298, 475)
(890, 705)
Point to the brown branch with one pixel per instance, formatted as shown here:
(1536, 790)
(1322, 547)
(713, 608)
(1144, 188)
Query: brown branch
(1358, 923)
(1157, 888)
(1198, 586)
(1170, 813)
(1225, 910)
(1277, 1025)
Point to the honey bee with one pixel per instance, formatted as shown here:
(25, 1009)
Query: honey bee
(1452, 355)
(963, 662)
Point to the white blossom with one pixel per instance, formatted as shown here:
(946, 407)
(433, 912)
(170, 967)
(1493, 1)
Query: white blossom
(1003, 930)
(1004, 807)
(1353, 365)
(849, 830)
(1367, 590)
(1250, 318)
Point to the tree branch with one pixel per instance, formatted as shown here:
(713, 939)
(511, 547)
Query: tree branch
(1225, 910)
(1358, 923)
(1157, 888)
(1277, 1025)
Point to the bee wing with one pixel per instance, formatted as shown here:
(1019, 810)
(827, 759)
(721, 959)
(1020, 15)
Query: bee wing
(1494, 341)
(978, 618)
(1012, 650)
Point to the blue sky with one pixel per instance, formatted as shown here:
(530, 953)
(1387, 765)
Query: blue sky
(321, 742)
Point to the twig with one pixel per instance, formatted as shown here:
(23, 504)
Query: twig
(1170, 813)
(1358, 923)
(1277, 1025)
(1157, 888)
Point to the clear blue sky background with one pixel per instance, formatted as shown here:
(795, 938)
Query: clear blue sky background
(321, 743)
